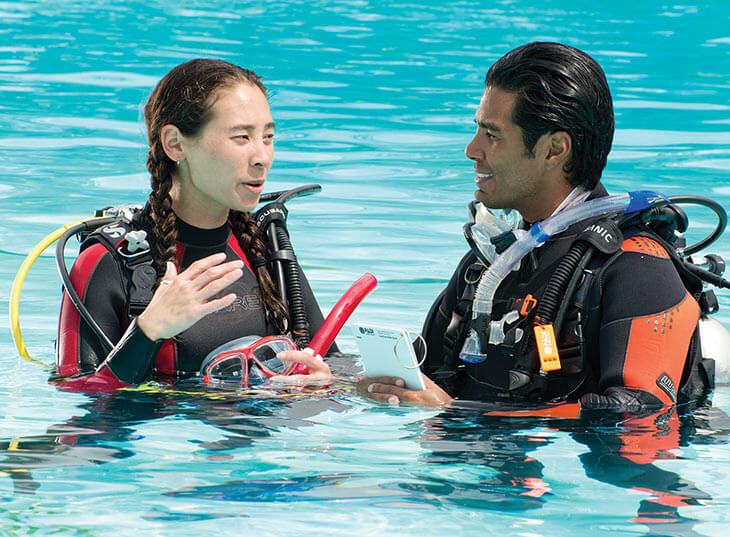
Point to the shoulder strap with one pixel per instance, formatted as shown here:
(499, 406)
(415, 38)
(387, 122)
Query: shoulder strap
(456, 332)
(128, 244)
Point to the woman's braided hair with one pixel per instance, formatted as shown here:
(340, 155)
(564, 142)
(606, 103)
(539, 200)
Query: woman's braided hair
(184, 98)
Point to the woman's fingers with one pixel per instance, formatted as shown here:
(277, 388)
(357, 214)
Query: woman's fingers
(211, 274)
(221, 282)
(182, 299)
(201, 265)
(299, 379)
(212, 306)
(318, 368)
(207, 277)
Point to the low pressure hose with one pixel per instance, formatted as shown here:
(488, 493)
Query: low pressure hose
(555, 290)
(62, 233)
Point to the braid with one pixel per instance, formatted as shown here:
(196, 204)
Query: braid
(252, 242)
(158, 212)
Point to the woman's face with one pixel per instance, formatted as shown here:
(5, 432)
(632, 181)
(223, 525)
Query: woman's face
(226, 164)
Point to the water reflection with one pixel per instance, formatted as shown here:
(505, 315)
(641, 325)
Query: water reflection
(621, 452)
(110, 419)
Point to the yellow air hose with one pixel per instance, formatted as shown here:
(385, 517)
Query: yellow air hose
(18, 284)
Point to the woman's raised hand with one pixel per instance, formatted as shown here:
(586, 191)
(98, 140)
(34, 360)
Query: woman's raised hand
(182, 299)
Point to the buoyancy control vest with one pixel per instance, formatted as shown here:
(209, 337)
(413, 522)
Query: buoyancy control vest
(513, 371)
(127, 242)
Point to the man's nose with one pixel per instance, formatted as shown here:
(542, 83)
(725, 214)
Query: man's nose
(472, 150)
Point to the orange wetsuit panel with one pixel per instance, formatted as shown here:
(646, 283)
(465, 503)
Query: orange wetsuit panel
(658, 345)
(644, 245)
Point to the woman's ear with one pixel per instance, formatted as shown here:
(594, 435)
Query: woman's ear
(559, 148)
(172, 139)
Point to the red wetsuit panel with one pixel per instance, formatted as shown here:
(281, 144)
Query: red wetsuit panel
(68, 354)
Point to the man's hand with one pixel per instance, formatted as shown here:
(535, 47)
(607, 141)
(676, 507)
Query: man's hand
(620, 399)
(392, 391)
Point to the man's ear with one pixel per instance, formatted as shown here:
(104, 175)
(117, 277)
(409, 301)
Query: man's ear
(560, 145)
(171, 139)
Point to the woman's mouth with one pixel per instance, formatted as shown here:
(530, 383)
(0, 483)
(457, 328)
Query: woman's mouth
(256, 188)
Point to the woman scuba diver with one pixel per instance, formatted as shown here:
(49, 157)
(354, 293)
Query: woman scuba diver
(210, 135)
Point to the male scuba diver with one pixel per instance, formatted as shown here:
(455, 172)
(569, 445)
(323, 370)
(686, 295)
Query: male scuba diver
(586, 300)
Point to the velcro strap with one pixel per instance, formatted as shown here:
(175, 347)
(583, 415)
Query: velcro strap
(284, 255)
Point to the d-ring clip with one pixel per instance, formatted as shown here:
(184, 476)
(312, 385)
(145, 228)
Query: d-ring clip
(425, 350)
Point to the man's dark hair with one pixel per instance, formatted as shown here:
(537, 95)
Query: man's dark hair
(560, 88)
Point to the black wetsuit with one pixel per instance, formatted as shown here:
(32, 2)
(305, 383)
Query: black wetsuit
(634, 349)
(102, 282)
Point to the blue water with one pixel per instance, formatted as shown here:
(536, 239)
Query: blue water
(375, 102)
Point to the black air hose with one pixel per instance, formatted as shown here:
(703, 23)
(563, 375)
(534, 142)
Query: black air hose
(297, 311)
(84, 227)
(555, 291)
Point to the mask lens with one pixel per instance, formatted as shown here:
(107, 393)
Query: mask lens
(255, 374)
(266, 355)
(229, 367)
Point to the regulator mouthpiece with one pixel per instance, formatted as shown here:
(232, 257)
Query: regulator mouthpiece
(474, 349)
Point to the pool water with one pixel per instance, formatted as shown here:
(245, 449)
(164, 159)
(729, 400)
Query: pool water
(375, 101)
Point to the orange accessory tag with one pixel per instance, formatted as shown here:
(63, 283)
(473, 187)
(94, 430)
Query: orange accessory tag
(547, 348)
(529, 303)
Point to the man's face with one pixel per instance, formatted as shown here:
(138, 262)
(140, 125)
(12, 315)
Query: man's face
(508, 177)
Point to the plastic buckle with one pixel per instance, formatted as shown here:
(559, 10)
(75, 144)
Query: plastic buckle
(708, 301)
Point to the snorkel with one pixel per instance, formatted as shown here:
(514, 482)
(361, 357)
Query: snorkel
(337, 318)
(483, 331)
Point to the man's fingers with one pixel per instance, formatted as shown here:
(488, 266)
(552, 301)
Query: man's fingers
(395, 381)
(378, 388)
(385, 399)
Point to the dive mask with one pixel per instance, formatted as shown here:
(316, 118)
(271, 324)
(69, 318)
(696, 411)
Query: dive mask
(487, 233)
(248, 360)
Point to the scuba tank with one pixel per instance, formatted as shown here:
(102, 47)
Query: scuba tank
(715, 340)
